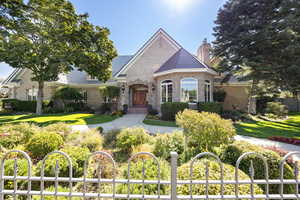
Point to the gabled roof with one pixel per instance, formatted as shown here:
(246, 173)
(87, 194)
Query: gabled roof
(119, 62)
(182, 59)
(159, 33)
(12, 76)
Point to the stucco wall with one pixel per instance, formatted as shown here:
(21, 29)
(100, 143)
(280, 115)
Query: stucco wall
(27, 83)
(236, 97)
(176, 78)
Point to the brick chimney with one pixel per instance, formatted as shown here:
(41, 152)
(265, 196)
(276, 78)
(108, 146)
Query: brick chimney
(203, 52)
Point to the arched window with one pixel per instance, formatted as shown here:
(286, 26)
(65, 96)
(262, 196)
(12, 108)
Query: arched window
(189, 90)
(207, 91)
(166, 91)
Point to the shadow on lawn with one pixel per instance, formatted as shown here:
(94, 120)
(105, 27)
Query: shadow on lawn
(46, 123)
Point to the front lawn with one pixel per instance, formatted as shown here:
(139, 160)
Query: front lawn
(71, 119)
(264, 129)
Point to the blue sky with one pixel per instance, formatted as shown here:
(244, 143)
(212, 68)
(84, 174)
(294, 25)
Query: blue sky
(132, 22)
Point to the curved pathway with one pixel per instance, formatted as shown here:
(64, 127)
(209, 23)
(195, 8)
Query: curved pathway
(128, 120)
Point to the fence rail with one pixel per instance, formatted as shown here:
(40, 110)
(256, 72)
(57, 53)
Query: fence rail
(15, 191)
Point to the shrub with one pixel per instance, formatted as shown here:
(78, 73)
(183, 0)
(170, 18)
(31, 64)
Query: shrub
(276, 108)
(12, 135)
(59, 189)
(67, 93)
(166, 143)
(20, 106)
(142, 148)
(232, 152)
(212, 107)
(170, 109)
(261, 103)
(90, 139)
(131, 137)
(43, 143)
(106, 108)
(61, 128)
(204, 130)
(109, 92)
(219, 95)
(77, 154)
(110, 138)
(9, 171)
(214, 174)
(151, 173)
(234, 115)
(100, 129)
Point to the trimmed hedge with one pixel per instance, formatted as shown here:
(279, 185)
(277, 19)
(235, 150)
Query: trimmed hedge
(212, 107)
(214, 174)
(170, 109)
(231, 153)
(21, 106)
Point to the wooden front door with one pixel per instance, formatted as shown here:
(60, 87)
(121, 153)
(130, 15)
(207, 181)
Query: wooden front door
(139, 98)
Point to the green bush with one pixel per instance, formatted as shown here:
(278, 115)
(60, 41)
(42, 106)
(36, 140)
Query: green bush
(131, 137)
(77, 154)
(100, 129)
(168, 142)
(110, 138)
(170, 109)
(60, 128)
(90, 139)
(212, 107)
(21, 106)
(59, 189)
(232, 152)
(214, 174)
(43, 143)
(205, 131)
(151, 173)
(9, 171)
(67, 93)
(276, 108)
(12, 135)
(219, 95)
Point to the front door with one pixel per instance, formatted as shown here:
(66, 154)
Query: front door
(139, 98)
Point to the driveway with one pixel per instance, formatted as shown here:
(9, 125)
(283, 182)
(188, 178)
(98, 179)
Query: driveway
(128, 120)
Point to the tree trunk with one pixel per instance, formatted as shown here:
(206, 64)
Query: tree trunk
(40, 98)
(252, 91)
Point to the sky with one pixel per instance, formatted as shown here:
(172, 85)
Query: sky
(133, 22)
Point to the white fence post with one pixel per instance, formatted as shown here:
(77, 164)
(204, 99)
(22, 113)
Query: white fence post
(174, 157)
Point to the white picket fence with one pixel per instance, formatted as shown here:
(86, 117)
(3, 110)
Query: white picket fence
(173, 183)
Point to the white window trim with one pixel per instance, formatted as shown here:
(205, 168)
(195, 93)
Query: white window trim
(161, 84)
(210, 90)
(89, 78)
(197, 88)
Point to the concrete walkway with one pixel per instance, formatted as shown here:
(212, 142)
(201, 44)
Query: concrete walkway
(136, 120)
(129, 120)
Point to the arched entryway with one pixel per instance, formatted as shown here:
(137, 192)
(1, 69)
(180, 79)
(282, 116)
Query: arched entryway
(138, 95)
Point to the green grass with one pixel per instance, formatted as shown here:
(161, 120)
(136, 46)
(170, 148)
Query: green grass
(160, 122)
(263, 129)
(71, 119)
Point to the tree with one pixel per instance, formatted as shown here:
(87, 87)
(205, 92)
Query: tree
(261, 37)
(50, 38)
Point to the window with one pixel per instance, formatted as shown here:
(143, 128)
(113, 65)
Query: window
(84, 95)
(91, 78)
(207, 91)
(31, 94)
(189, 90)
(166, 91)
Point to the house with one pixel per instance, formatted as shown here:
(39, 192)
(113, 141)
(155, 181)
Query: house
(160, 71)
